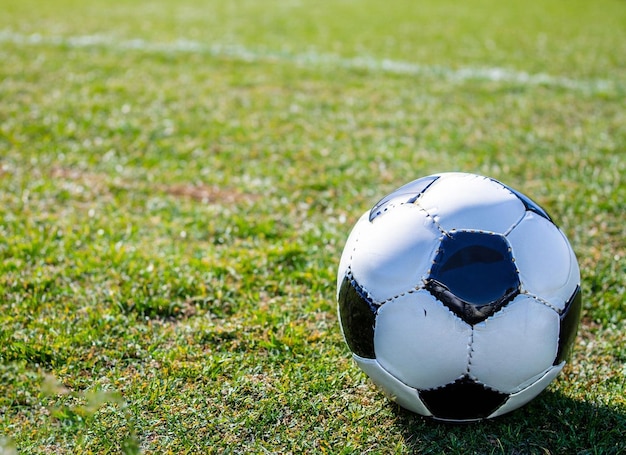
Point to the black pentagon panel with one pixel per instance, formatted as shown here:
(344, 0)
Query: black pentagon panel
(357, 315)
(528, 202)
(474, 274)
(411, 190)
(470, 313)
(569, 326)
(464, 399)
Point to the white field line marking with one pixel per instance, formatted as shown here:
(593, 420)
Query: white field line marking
(314, 59)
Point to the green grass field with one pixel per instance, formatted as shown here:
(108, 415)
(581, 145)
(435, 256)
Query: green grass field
(178, 178)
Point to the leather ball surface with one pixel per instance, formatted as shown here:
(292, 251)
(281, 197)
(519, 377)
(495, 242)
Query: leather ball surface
(459, 297)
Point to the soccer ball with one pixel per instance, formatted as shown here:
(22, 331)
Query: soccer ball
(459, 297)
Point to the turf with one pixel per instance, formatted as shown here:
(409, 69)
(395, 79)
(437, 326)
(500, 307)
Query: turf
(177, 180)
